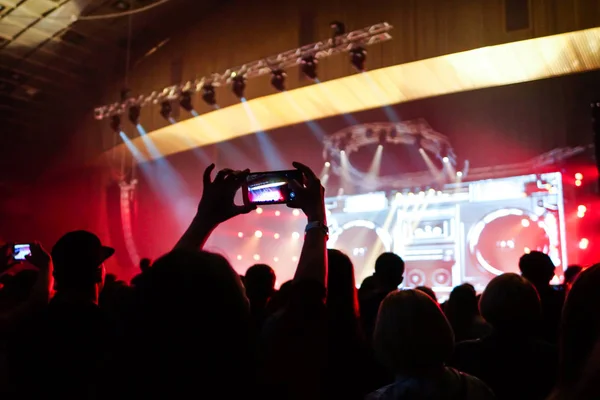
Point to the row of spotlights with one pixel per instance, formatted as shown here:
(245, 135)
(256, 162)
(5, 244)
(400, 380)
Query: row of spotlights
(308, 66)
(260, 210)
(259, 234)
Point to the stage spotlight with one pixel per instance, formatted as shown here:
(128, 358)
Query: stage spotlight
(256, 257)
(239, 257)
(584, 243)
(238, 85)
(446, 160)
(308, 66)
(115, 123)
(294, 259)
(296, 213)
(258, 234)
(337, 28)
(525, 223)
(166, 109)
(185, 101)
(240, 234)
(295, 236)
(259, 210)
(134, 114)
(276, 259)
(208, 94)
(578, 183)
(327, 164)
(276, 236)
(358, 57)
(278, 79)
(579, 176)
(459, 174)
(277, 213)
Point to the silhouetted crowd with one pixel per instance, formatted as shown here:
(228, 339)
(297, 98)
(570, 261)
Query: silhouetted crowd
(188, 326)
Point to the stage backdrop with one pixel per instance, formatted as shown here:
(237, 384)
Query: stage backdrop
(489, 127)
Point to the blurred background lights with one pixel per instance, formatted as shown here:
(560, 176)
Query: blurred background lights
(258, 234)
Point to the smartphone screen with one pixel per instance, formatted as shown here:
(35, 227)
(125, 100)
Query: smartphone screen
(273, 187)
(20, 251)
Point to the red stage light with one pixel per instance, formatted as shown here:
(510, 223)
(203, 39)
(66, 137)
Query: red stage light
(240, 234)
(579, 176)
(578, 183)
(584, 243)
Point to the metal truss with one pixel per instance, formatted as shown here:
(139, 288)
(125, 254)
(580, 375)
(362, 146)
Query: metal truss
(361, 38)
(414, 132)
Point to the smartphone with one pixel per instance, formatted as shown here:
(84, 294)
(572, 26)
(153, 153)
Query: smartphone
(262, 188)
(20, 251)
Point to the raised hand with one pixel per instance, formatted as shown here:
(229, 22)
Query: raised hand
(310, 194)
(39, 257)
(217, 204)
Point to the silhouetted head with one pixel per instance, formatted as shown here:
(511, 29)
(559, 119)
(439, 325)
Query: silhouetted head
(342, 297)
(412, 335)
(194, 316)
(260, 282)
(511, 304)
(537, 267)
(463, 300)
(78, 259)
(461, 309)
(571, 273)
(145, 264)
(428, 291)
(110, 279)
(580, 325)
(389, 270)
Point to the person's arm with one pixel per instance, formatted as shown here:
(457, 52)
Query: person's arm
(216, 206)
(40, 292)
(311, 199)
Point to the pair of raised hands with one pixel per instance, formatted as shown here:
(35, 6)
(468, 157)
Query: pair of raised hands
(218, 205)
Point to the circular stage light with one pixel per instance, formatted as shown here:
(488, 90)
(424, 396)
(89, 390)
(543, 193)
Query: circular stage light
(415, 277)
(503, 236)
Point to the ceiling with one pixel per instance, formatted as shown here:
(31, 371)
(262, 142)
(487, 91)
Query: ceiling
(52, 53)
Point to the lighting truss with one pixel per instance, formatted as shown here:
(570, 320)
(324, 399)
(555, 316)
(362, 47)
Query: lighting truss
(363, 37)
(355, 137)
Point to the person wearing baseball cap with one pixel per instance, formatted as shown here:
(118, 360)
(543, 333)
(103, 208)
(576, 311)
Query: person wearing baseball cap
(78, 334)
(78, 259)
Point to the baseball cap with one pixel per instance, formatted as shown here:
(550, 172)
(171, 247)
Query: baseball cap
(80, 248)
